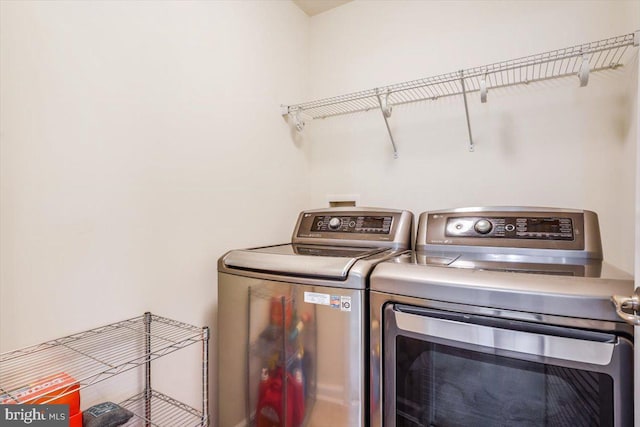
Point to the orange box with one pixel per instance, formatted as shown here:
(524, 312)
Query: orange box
(48, 391)
(75, 420)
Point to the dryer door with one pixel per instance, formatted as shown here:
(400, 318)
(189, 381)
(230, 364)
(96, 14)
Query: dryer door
(457, 369)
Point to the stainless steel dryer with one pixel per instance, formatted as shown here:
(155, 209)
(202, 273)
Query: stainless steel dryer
(501, 317)
(291, 320)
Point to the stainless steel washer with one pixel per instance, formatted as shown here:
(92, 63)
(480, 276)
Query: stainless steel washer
(502, 316)
(292, 338)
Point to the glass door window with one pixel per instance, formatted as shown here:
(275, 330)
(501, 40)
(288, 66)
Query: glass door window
(444, 386)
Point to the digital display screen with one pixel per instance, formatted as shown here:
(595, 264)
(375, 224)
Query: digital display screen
(544, 228)
(373, 222)
(543, 225)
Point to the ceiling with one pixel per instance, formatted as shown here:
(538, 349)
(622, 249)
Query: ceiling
(314, 7)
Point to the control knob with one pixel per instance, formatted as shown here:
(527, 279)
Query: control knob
(483, 226)
(334, 223)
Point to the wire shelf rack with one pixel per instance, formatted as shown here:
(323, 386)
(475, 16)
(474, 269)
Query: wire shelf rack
(577, 61)
(164, 411)
(98, 354)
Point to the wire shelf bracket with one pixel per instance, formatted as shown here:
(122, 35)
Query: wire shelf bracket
(385, 109)
(466, 110)
(581, 61)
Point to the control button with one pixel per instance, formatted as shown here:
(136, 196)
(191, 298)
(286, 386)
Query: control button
(509, 227)
(352, 224)
(334, 223)
(483, 226)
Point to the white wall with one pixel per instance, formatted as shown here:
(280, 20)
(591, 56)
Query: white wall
(548, 144)
(140, 141)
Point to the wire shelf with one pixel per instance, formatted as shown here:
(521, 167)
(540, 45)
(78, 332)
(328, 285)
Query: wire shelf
(595, 56)
(95, 355)
(164, 411)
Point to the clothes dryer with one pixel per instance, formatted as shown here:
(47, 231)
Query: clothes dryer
(501, 316)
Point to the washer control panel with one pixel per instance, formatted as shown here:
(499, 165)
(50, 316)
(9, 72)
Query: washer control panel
(352, 224)
(513, 227)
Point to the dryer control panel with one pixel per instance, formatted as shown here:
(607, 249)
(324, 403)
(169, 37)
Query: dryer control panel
(517, 230)
(522, 227)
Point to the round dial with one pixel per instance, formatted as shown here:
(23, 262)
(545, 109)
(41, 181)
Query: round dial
(483, 226)
(334, 223)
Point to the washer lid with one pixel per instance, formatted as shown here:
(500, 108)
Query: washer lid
(330, 262)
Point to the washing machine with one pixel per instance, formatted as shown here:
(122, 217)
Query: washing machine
(501, 317)
(292, 332)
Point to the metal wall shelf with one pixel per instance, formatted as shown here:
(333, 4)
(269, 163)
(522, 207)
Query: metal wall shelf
(98, 354)
(577, 61)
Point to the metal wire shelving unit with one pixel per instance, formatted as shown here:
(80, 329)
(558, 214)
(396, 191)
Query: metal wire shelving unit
(577, 61)
(161, 410)
(99, 354)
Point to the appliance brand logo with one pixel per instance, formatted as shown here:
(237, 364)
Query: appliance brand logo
(34, 415)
